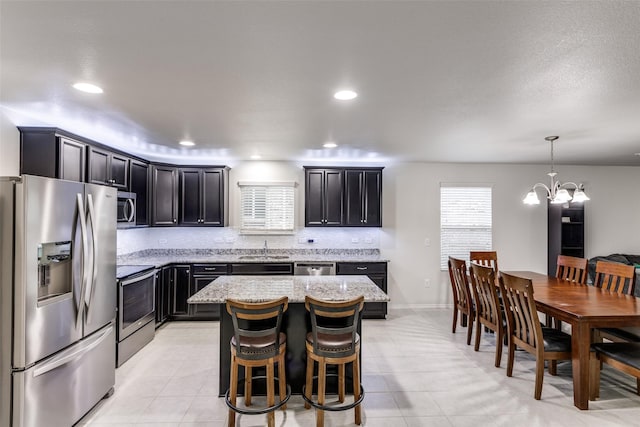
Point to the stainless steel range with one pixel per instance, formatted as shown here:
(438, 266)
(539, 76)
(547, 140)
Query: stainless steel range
(136, 309)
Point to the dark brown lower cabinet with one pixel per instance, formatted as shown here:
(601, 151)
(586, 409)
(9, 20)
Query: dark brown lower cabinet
(202, 275)
(377, 272)
(164, 283)
(180, 291)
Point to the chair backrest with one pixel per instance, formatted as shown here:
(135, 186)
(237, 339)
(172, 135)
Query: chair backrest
(572, 269)
(459, 283)
(615, 277)
(486, 258)
(485, 293)
(522, 317)
(337, 320)
(255, 321)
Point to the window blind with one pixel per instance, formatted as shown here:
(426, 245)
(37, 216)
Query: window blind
(266, 208)
(465, 222)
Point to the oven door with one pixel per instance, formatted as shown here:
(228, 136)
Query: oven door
(136, 304)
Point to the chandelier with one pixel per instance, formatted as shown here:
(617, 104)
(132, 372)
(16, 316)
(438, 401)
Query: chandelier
(557, 192)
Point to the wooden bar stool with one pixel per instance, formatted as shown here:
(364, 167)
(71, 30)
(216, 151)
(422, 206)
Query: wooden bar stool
(333, 340)
(256, 342)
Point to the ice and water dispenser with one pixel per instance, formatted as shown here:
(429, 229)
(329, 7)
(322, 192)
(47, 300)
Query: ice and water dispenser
(54, 270)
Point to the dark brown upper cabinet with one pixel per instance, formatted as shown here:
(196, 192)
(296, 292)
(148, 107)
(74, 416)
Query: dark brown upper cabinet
(363, 197)
(164, 195)
(45, 152)
(139, 184)
(346, 197)
(107, 168)
(203, 196)
(323, 197)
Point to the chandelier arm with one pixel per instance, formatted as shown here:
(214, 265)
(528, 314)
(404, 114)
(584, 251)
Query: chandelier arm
(539, 184)
(564, 184)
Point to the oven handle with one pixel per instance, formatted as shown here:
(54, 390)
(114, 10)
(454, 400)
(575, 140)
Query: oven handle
(135, 279)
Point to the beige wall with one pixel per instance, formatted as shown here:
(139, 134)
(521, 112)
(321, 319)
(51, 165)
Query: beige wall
(9, 147)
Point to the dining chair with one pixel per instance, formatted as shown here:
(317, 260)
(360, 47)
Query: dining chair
(333, 340)
(572, 269)
(623, 356)
(487, 306)
(462, 301)
(486, 258)
(257, 342)
(526, 332)
(619, 278)
(615, 277)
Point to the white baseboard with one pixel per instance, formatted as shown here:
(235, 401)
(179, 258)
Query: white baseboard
(418, 306)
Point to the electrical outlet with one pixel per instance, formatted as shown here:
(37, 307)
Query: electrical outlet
(354, 240)
(427, 242)
(368, 240)
(427, 283)
(229, 239)
(219, 240)
(302, 240)
(162, 241)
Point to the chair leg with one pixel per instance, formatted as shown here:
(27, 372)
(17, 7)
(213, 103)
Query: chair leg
(309, 383)
(499, 348)
(510, 357)
(455, 318)
(637, 385)
(271, 398)
(463, 320)
(594, 376)
(248, 385)
(322, 374)
(539, 377)
(233, 390)
(341, 383)
(553, 367)
(476, 347)
(469, 330)
(282, 380)
(356, 388)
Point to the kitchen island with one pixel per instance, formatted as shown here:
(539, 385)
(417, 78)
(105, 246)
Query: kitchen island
(296, 321)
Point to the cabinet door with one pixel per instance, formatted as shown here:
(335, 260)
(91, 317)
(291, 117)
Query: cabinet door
(212, 197)
(119, 171)
(363, 190)
(72, 156)
(333, 197)
(181, 291)
(139, 184)
(165, 308)
(165, 188)
(98, 166)
(190, 197)
(201, 311)
(314, 193)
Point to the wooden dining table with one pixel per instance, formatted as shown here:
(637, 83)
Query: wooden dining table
(584, 308)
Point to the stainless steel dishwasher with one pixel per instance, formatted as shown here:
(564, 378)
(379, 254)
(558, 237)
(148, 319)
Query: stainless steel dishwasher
(314, 269)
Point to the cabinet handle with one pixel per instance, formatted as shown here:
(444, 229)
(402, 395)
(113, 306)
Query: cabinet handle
(361, 268)
(174, 220)
(209, 269)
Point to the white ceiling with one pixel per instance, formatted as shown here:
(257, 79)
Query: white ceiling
(450, 81)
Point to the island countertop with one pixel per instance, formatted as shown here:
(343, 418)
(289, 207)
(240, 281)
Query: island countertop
(265, 288)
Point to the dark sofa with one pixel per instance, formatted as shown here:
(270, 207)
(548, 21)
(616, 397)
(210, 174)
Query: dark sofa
(621, 258)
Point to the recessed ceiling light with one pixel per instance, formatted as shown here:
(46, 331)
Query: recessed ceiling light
(187, 143)
(88, 87)
(330, 145)
(256, 157)
(345, 95)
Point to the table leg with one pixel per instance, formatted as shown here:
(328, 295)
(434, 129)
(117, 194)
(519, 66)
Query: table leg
(581, 345)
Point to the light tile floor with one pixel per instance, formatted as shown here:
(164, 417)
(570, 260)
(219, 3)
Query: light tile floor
(415, 373)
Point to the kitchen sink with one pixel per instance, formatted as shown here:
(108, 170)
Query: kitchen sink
(263, 257)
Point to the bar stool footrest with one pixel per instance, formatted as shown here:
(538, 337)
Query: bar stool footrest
(257, 411)
(335, 408)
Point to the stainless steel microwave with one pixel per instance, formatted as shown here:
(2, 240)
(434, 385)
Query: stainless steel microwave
(126, 208)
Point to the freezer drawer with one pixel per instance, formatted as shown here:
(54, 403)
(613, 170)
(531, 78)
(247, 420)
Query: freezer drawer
(61, 389)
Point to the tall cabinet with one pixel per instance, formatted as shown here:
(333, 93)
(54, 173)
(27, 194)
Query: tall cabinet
(566, 232)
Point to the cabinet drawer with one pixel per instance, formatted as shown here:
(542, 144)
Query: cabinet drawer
(262, 268)
(361, 267)
(208, 269)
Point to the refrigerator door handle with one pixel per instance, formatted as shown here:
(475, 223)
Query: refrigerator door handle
(85, 256)
(94, 245)
(63, 360)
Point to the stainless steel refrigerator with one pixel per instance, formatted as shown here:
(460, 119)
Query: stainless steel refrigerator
(57, 299)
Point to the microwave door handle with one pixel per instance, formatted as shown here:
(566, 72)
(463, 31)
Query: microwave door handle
(85, 256)
(94, 244)
(132, 210)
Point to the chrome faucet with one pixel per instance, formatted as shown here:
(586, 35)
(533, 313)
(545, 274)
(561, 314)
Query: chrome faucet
(265, 249)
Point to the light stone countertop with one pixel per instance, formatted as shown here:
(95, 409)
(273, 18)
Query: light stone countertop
(265, 288)
(160, 257)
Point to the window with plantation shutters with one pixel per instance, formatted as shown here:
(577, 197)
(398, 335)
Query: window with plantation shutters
(465, 221)
(266, 207)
